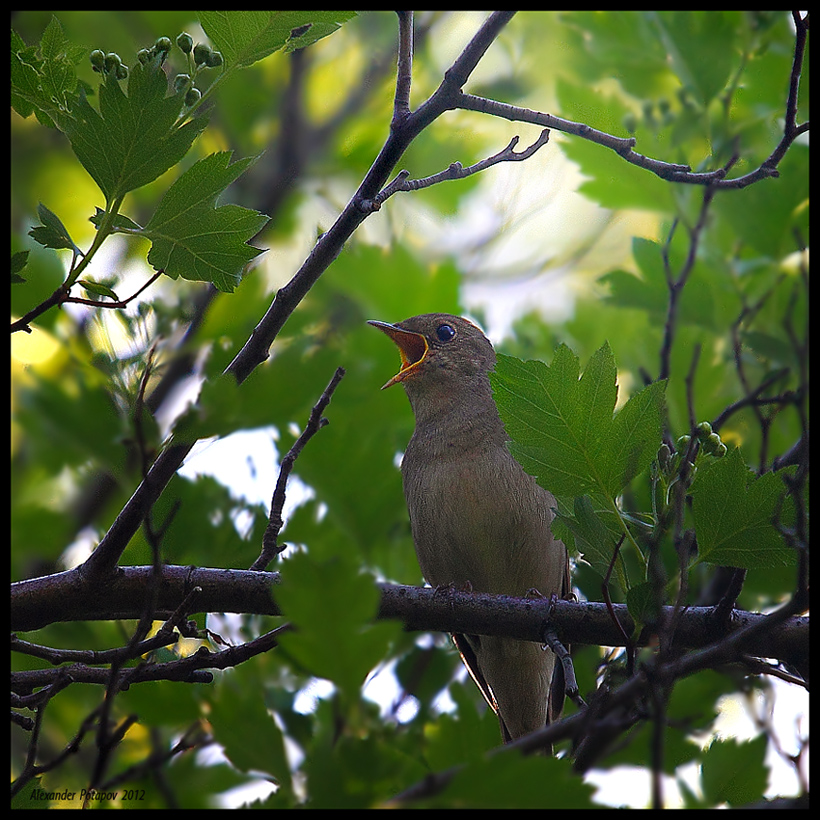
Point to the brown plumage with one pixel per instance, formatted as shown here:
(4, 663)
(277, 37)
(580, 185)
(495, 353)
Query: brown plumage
(478, 520)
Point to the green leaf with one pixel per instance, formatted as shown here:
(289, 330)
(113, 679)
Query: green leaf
(734, 772)
(700, 47)
(733, 514)
(245, 37)
(133, 138)
(611, 182)
(333, 606)
(235, 718)
(53, 234)
(650, 291)
(595, 541)
(642, 603)
(43, 79)
(513, 782)
(25, 78)
(98, 290)
(634, 437)
(562, 428)
(19, 261)
(196, 240)
(119, 223)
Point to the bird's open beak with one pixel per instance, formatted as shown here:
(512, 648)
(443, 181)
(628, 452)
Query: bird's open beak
(412, 349)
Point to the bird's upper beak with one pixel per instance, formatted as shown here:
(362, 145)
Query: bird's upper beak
(412, 349)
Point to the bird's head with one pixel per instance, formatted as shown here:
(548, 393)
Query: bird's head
(438, 352)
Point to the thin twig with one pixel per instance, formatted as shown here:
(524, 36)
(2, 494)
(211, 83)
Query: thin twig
(630, 649)
(61, 297)
(676, 284)
(454, 171)
(270, 547)
(570, 683)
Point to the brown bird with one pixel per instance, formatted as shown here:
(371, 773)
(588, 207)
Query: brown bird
(478, 520)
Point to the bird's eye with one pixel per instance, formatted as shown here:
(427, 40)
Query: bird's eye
(445, 332)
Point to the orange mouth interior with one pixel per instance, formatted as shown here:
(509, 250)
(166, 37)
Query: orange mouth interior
(412, 350)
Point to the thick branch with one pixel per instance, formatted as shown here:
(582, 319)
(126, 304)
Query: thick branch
(66, 597)
(72, 596)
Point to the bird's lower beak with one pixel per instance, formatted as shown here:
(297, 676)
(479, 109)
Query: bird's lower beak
(412, 349)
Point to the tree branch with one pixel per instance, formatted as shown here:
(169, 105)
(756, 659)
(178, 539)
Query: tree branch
(454, 171)
(64, 597)
(404, 69)
(270, 549)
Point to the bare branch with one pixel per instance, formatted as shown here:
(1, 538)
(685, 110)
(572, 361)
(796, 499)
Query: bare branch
(404, 70)
(454, 171)
(33, 607)
(622, 146)
(672, 172)
(270, 549)
(61, 296)
(677, 283)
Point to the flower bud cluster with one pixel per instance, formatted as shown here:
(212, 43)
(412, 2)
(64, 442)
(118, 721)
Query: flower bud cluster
(110, 63)
(200, 56)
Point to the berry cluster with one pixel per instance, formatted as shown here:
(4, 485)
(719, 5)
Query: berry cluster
(200, 56)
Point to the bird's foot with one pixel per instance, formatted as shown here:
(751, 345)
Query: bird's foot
(448, 589)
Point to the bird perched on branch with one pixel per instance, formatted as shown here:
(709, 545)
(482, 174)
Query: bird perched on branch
(478, 520)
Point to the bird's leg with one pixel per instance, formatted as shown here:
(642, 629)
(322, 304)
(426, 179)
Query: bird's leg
(453, 587)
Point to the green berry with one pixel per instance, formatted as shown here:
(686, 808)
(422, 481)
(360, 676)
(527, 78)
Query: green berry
(112, 61)
(683, 443)
(163, 44)
(192, 97)
(181, 82)
(122, 72)
(143, 55)
(703, 430)
(721, 450)
(201, 53)
(712, 443)
(185, 42)
(97, 59)
(214, 59)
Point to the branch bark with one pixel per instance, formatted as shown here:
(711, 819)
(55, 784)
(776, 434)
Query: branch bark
(68, 597)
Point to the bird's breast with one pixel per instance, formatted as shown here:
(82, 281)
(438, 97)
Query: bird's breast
(478, 520)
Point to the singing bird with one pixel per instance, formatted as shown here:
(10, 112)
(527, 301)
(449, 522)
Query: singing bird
(478, 520)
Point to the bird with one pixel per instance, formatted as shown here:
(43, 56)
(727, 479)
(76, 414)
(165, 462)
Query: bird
(479, 522)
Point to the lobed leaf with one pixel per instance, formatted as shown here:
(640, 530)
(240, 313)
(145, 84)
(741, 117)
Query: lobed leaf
(133, 139)
(734, 513)
(196, 240)
(562, 428)
(52, 233)
(245, 37)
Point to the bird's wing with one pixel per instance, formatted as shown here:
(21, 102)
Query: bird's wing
(466, 648)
